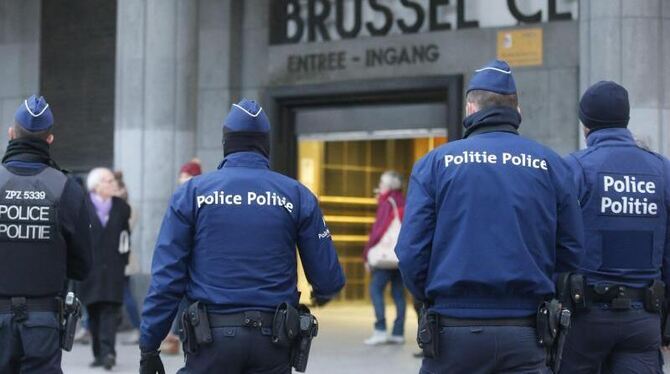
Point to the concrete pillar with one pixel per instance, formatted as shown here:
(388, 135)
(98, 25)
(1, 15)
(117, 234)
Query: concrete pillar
(219, 66)
(623, 40)
(155, 106)
(19, 58)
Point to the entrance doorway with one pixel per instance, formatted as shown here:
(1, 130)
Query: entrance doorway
(339, 138)
(343, 174)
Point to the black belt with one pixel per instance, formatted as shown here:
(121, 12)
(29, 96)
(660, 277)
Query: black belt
(620, 297)
(247, 319)
(461, 322)
(22, 304)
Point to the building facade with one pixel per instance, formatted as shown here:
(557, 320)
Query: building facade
(353, 87)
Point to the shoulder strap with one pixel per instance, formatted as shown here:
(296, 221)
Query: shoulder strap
(56, 180)
(396, 214)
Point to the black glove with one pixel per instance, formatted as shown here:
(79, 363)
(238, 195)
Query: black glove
(319, 301)
(150, 363)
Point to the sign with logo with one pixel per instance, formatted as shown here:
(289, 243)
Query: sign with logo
(521, 47)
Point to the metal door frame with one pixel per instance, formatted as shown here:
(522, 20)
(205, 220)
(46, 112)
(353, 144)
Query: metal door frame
(281, 103)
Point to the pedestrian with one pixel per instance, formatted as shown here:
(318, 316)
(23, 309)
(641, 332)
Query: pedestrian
(133, 266)
(44, 240)
(189, 170)
(624, 192)
(383, 236)
(102, 292)
(170, 345)
(490, 220)
(227, 243)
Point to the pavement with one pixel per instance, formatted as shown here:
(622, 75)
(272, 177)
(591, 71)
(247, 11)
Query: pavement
(338, 349)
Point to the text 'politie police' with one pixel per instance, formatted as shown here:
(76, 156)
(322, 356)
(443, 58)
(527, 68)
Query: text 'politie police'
(475, 157)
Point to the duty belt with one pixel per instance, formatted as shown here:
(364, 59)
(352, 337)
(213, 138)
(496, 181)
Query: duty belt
(21, 306)
(255, 319)
(460, 322)
(619, 297)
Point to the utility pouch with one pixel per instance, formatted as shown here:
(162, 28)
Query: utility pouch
(428, 333)
(308, 329)
(654, 297)
(285, 325)
(578, 291)
(199, 321)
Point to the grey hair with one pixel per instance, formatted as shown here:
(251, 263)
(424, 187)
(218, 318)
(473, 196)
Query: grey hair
(94, 177)
(391, 179)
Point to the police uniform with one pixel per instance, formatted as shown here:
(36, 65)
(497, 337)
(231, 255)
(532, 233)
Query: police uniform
(489, 221)
(624, 191)
(44, 239)
(228, 241)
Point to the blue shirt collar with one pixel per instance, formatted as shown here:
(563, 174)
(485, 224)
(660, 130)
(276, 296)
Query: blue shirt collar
(610, 135)
(25, 165)
(245, 159)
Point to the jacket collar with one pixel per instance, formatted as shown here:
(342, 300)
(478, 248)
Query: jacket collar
(245, 159)
(498, 118)
(610, 136)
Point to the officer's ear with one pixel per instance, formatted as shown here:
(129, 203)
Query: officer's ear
(50, 139)
(470, 108)
(11, 133)
(585, 129)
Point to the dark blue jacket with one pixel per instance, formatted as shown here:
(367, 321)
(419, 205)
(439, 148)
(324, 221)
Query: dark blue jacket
(624, 191)
(489, 221)
(228, 239)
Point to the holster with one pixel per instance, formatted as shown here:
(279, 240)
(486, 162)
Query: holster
(285, 325)
(553, 323)
(197, 330)
(308, 329)
(69, 316)
(654, 297)
(428, 333)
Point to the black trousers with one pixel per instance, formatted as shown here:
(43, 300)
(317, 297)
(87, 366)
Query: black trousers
(31, 346)
(239, 350)
(103, 320)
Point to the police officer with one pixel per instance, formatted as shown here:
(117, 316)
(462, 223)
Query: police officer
(44, 238)
(624, 191)
(489, 222)
(228, 241)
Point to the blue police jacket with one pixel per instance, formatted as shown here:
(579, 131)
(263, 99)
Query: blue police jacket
(624, 191)
(489, 221)
(228, 240)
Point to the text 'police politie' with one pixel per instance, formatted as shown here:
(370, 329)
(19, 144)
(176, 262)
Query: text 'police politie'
(628, 195)
(29, 220)
(266, 198)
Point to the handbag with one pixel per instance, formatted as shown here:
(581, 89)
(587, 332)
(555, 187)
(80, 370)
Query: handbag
(382, 255)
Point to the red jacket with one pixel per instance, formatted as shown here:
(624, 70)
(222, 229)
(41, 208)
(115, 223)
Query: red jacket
(384, 218)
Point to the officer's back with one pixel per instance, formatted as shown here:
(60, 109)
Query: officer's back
(44, 239)
(624, 191)
(228, 242)
(248, 220)
(490, 220)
